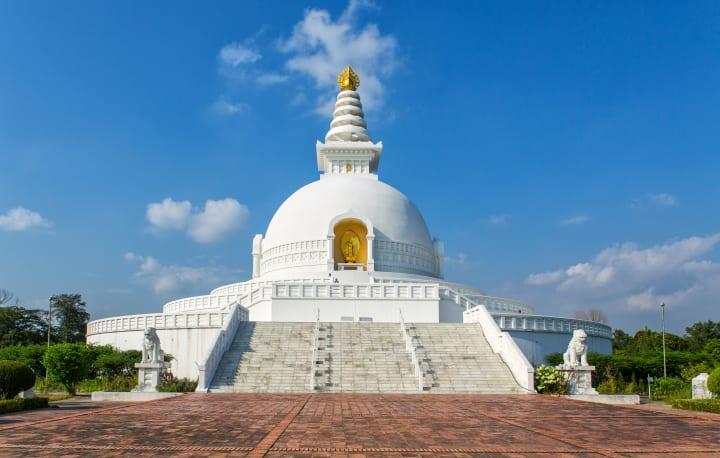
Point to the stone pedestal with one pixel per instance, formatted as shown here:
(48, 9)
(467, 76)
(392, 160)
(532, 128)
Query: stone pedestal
(579, 379)
(149, 376)
(700, 388)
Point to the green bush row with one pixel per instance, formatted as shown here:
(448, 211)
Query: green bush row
(16, 405)
(637, 366)
(701, 405)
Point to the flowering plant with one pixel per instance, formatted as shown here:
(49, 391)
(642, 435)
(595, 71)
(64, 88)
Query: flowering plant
(549, 380)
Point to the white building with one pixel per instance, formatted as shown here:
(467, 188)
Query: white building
(345, 248)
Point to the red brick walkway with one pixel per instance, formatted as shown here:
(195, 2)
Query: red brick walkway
(361, 425)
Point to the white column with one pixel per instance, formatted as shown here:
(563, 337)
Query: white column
(370, 258)
(256, 255)
(331, 253)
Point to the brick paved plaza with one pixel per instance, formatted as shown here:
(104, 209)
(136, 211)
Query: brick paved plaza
(357, 425)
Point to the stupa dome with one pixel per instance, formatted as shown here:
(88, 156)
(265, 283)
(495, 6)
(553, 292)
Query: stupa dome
(308, 213)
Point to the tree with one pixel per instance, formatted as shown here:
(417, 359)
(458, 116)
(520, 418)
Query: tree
(6, 297)
(69, 312)
(68, 364)
(21, 326)
(620, 340)
(594, 315)
(700, 333)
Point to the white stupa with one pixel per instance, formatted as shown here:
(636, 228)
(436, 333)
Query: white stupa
(345, 248)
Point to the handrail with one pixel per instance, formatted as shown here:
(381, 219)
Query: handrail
(413, 353)
(504, 345)
(313, 361)
(223, 340)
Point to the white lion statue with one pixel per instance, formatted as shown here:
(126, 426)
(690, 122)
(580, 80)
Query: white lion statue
(151, 352)
(576, 354)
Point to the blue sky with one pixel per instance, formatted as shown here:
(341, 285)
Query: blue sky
(566, 152)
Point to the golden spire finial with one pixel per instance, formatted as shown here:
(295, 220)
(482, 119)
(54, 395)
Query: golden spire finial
(348, 80)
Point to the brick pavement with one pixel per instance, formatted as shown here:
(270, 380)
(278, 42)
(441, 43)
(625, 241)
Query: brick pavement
(360, 425)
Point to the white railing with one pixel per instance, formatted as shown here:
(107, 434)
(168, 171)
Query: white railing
(221, 344)
(504, 345)
(188, 304)
(399, 291)
(410, 347)
(495, 304)
(551, 324)
(244, 287)
(313, 360)
(214, 319)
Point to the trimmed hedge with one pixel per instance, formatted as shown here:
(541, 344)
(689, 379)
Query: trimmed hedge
(14, 378)
(16, 405)
(700, 405)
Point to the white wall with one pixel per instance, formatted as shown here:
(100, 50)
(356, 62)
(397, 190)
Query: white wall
(188, 346)
(420, 311)
(450, 312)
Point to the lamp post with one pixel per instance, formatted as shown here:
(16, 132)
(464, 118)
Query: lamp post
(662, 318)
(49, 327)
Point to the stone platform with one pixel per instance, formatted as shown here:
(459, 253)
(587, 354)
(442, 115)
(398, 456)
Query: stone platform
(360, 425)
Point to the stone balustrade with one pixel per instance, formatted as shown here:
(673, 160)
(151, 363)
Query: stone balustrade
(213, 319)
(189, 304)
(503, 345)
(361, 291)
(551, 324)
(222, 342)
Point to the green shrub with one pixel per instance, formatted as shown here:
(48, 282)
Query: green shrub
(549, 380)
(670, 388)
(690, 372)
(16, 405)
(178, 385)
(117, 363)
(14, 378)
(32, 355)
(118, 383)
(47, 385)
(713, 382)
(701, 405)
(69, 363)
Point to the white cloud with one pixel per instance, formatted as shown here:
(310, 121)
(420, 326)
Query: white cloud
(319, 47)
(237, 54)
(21, 219)
(498, 219)
(660, 199)
(218, 219)
(166, 279)
(214, 222)
(169, 214)
(575, 220)
(626, 276)
(664, 199)
(225, 108)
(268, 79)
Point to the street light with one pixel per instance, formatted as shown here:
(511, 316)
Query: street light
(662, 318)
(49, 327)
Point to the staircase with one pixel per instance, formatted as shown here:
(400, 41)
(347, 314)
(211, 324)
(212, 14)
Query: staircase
(267, 357)
(363, 358)
(456, 357)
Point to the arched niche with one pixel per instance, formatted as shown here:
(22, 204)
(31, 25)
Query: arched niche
(350, 244)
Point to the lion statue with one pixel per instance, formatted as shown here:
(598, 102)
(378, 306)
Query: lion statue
(576, 354)
(151, 352)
